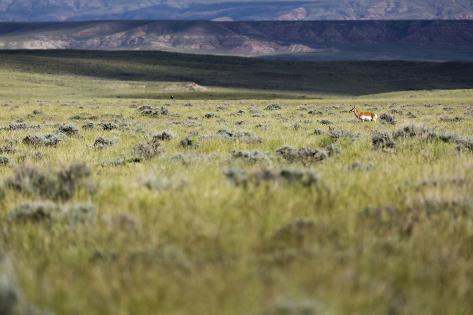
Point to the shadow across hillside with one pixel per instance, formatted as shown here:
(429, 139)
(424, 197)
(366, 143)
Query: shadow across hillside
(344, 77)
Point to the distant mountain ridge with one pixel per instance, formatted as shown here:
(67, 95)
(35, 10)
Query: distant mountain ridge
(368, 39)
(82, 10)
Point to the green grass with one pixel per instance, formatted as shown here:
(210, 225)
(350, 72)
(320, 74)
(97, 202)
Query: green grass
(209, 247)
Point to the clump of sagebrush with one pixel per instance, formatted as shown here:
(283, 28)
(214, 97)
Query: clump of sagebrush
(47, 211)
(242, 136)
(318, 132)
(273, 107)
(60, 184)
(70, 178)
(165, 136)
(453, 205)
(88, 125)
(112, 116)
(68, 129)
(339, 134)
(8, 147)
(425, 133)
(22, 125)
(383, 140)
(446, 137)
(148, 149)
(77, 213)
(251, 156)
(122, 161)
(83, 116)
(450, 119)
(108, 125)
(39, 211)
(325, 122)
(418, 208)
(306, 155)
(238, 112)
(303, 177)
(221, 108)
(210, 115)
(153, 111)
(413, 130)
(315, 112)
(101, 143)
(333, 149)
(189, 142)
(44, 140)
(465, 145)
(387, 119)
(4, 160)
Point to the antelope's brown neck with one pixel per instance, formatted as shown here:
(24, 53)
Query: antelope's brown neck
(357, 113)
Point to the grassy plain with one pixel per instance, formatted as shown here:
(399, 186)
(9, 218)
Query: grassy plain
(378, 231)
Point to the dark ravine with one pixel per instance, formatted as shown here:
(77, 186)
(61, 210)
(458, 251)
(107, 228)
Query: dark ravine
(310, 40)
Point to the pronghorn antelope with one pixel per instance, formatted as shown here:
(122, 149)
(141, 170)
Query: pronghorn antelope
(364, 116)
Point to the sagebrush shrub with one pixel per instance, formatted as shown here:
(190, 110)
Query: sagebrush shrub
(153, 111)
(307, 155)
(387, 119)
(34, 212)
(251, 156)
(22, 125)
(242, 136)
(165, 136)
(383, 140)
(108, 125)
(68, 129)
(273, 107)
(4, 160)
(189, 142)
(148, 149)
(101, 143)
(340, 134)
(48, 211)
(45, 140)
(58, 184)
(303, 177)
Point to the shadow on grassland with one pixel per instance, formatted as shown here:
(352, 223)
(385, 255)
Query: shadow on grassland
(339, 77)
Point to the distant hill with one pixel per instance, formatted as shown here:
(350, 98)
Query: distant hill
(202, 75)
(311, 40)
(81, 10)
